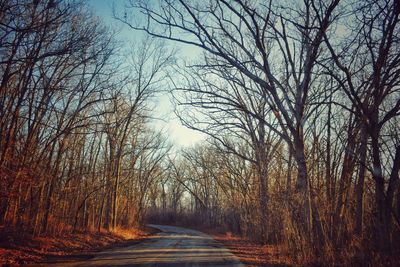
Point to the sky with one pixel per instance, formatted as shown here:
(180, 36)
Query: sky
(164, 118)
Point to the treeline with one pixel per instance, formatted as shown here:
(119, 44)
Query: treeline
(76, 149)
(301, 100)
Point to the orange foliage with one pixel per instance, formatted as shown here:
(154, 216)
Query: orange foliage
(17, 251)
(128, 233)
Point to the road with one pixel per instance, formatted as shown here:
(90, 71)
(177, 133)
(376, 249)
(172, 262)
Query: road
(173, 246)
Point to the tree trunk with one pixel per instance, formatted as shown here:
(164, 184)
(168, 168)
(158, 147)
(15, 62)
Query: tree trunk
(344, 182)
(262, 169)
(263, 172)
(383, 209)
(51, 185)
(101, 212)
(330, 183)
(359, 214)
(302, 188)
(115, 198)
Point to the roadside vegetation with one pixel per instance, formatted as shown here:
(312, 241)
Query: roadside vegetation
(299, 102)
(16, 251)
(78, 157)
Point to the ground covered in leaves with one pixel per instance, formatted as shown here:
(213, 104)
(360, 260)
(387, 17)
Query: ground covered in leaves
(17, 250)
(251, 253)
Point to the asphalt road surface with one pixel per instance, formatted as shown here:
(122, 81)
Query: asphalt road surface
(173, 246)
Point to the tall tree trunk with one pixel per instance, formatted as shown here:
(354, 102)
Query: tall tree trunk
(359, 191)
(103, 199)
(344, 182)
(302, 187)
(383, 209)
(263, 201)
(263, 176)
(115, 194)
(330, 184)
(51, 184)
(289, 174)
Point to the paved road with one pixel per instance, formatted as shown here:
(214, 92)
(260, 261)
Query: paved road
(173, 246)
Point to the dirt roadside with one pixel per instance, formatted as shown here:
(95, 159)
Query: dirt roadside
(250, 253)
(16, 250)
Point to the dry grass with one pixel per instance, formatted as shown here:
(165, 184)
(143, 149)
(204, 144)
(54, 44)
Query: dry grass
(251, 253)
(255, 254)
(16, 250)
(128, 233)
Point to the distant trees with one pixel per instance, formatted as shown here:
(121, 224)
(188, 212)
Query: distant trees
(76, 150)
(300, 100)
(267, 66)
(303, 89)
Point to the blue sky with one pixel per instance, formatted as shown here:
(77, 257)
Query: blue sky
(164, 120)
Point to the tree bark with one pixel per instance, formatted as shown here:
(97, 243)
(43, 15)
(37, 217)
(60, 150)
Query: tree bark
(302, 187)
(383, 208)
(359, 214)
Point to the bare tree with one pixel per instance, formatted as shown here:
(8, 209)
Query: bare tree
(367, 71)
(260, 42)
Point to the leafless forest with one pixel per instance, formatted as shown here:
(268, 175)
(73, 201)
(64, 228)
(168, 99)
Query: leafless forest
(299, 100)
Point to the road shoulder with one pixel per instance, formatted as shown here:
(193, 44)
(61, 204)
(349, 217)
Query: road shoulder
(65, 248)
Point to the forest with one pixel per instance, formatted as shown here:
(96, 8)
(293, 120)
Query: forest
(298, 100)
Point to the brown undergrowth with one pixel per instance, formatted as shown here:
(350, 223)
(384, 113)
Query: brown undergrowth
(255, 254)
(251, 253)
(16, 250)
